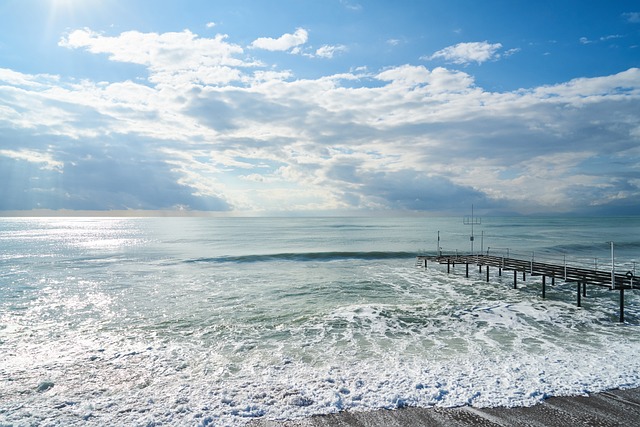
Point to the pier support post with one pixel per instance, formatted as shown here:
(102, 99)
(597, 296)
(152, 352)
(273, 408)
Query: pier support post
(480, 268)
(621, 305)
(524, 275)
(579, 295)
(487, 273)
(544, 286)
(584, 289)
(500, 271)
(515, 279)
(466, 274)
(448, 265)
(553, 280)
(425, 263)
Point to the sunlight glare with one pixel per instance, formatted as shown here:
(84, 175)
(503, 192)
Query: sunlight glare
(65, 12)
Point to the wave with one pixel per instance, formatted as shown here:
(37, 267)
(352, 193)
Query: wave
(305, 256)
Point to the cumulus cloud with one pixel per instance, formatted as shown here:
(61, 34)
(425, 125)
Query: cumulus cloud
(466, 53)
(283, 43)
(168, 56)
(407, 74)
(404, 137)
(437, 80)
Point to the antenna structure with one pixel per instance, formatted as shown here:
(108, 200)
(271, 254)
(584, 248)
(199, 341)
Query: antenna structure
(471, 220)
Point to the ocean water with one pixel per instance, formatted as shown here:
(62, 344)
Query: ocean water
(217, 321)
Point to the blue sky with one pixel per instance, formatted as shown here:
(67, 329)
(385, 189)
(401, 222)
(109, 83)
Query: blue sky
(309, 107)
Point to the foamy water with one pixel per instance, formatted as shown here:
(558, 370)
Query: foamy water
(218, 321)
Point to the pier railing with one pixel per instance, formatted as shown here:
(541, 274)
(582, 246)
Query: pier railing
(570, 268)
(566, 270)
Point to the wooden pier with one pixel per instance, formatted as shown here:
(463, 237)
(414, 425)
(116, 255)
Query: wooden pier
(569, 274)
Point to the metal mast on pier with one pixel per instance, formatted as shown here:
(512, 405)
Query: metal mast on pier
(471, 220)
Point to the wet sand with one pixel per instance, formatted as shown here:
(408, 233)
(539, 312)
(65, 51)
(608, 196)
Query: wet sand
(610, 408)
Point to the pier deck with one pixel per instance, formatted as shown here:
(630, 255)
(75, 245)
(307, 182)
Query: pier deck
(579, 275)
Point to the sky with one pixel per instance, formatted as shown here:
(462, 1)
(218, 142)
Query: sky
(320, 107)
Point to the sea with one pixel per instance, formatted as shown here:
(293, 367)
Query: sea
(219, 321)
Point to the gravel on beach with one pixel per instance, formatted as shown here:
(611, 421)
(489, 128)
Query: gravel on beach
(610, 408)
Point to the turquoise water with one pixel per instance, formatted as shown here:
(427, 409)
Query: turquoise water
(215, 321)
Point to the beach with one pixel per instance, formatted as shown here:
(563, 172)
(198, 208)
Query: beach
(610, 408)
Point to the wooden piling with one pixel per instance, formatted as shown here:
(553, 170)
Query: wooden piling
(579, 295)
(579, 275)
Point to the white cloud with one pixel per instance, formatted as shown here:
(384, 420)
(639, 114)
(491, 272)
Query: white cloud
(211, 24)
(406, 74)
(466, 53)
(437, 80)
(46, 160)
(169, 55)
(511, 52)
(328, 51)
(271, 76)
(19, 79)
(585, 90)
(633, 17)
(585, 40)
(356, 7)
(283, 43)
(215, 130)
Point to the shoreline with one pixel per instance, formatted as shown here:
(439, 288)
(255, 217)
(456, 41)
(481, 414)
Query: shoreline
(609, 408)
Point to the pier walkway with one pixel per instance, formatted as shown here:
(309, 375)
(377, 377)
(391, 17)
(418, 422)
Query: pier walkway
(579, 275)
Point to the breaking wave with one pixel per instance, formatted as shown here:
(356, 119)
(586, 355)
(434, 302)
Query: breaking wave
(304, 257)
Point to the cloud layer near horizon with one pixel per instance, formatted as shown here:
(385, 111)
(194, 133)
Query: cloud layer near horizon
(212, 128)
